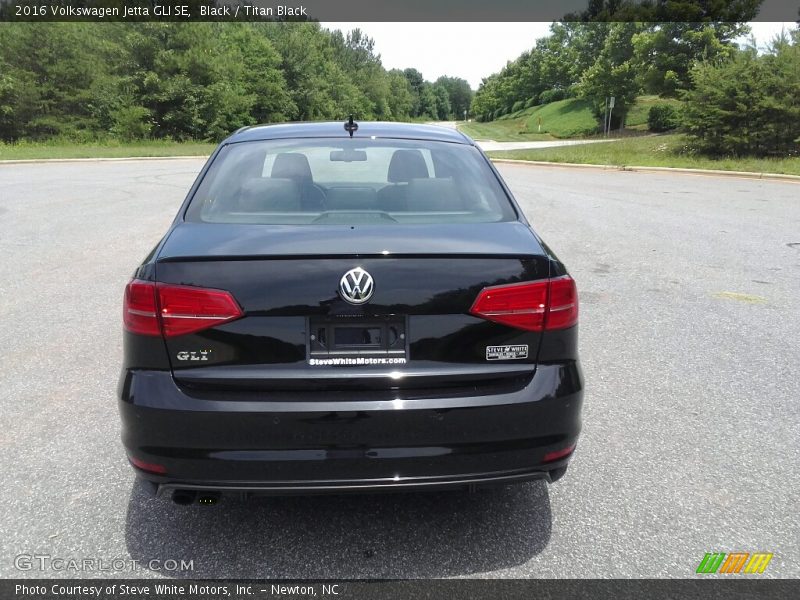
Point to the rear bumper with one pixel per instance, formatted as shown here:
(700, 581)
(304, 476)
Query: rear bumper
(277, 444)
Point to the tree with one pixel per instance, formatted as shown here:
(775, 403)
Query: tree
(613, 74)
(459, 94)
(665, 53)
(442, 102)
(749, 104)
(257, 65)
(401, 97)
(417, 84)
(429, 106)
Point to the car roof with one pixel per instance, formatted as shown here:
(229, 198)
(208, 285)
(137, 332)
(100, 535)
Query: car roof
(335, 129)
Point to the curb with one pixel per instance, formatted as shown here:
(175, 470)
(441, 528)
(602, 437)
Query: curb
(33, 161)
(538, 163)
(680, 170)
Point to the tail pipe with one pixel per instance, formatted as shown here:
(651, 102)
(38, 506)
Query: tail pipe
(183, 497)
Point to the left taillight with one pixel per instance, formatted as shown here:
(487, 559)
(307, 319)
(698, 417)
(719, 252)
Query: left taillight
(139, 310)
(172, 310)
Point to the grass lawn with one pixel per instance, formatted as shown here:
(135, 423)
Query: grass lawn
(564, 119)
(637, 115)
(651, 151)
(570, 118)
(503, 130)
(63, 149)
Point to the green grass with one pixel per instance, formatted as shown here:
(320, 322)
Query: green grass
(637, 115)
(570, 118)
(63, 149)
(563, 119)
(651, 151)
(509, 128)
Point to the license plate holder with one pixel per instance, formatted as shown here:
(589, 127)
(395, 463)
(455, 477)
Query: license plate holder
(357, 340)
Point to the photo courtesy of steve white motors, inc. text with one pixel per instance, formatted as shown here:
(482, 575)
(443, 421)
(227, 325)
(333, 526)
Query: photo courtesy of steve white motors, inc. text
(178, 590)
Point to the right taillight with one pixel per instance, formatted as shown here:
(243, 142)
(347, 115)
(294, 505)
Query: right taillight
(533, 306)
(562, 311)
(172, 310)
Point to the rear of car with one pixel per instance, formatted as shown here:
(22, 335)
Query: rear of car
(336, 313)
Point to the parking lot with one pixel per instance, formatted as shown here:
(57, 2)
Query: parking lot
(690, 300)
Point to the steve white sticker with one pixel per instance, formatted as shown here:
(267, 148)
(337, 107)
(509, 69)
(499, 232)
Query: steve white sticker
(506, 352)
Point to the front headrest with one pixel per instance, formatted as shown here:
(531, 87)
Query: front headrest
(407, 165)
(291, 165)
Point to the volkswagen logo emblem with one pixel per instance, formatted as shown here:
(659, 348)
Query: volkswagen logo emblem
(356, 286)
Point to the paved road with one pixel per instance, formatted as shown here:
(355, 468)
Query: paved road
(690, 303)
(491, 145)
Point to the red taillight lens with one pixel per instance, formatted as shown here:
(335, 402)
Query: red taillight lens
(185, 309)
(534, 306)
(139, 312)
(520, 305)
(171, 310)
(563, 309)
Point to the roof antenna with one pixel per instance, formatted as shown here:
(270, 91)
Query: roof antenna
(350, 127)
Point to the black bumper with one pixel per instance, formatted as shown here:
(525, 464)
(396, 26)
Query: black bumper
(263, 443)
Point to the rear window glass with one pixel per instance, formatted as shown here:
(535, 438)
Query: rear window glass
(340, 181)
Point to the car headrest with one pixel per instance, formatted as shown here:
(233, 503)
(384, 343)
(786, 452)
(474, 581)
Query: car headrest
(291, 165)
(264, 194)
(406, 165)
(434, 195)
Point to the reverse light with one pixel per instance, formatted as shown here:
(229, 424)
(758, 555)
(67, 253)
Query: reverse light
(534, 306)
(172, 310)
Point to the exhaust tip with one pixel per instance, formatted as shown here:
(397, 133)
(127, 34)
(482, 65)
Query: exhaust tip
(208, 498)
(183, 497)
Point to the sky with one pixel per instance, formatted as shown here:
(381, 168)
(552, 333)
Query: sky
(471, 51)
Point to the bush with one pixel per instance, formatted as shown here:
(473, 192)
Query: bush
(662, 117)
(554, 95)
(131, 123)
(747, 105)
(518, 106)
(530, 102)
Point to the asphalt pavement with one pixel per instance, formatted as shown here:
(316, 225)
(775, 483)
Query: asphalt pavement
(492, 145)
(690, 300)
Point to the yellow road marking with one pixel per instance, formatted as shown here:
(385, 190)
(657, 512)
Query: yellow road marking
(748, 298)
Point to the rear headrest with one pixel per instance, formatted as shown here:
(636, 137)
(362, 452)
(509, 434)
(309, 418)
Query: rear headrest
(291, 165)
(351, 198)
(262, 194)
(406, 165)
(433, 195)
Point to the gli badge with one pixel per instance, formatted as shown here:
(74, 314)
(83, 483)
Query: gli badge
(192, 355)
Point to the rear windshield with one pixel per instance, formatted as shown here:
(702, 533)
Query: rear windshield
(343, 181)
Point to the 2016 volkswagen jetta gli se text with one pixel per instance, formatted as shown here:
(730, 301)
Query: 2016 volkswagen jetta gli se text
(344, 309)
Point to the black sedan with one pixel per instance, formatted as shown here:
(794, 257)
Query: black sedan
(348, 309)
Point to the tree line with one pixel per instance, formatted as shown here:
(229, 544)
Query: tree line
(595, 60)
(735, 100)
(181, 81)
